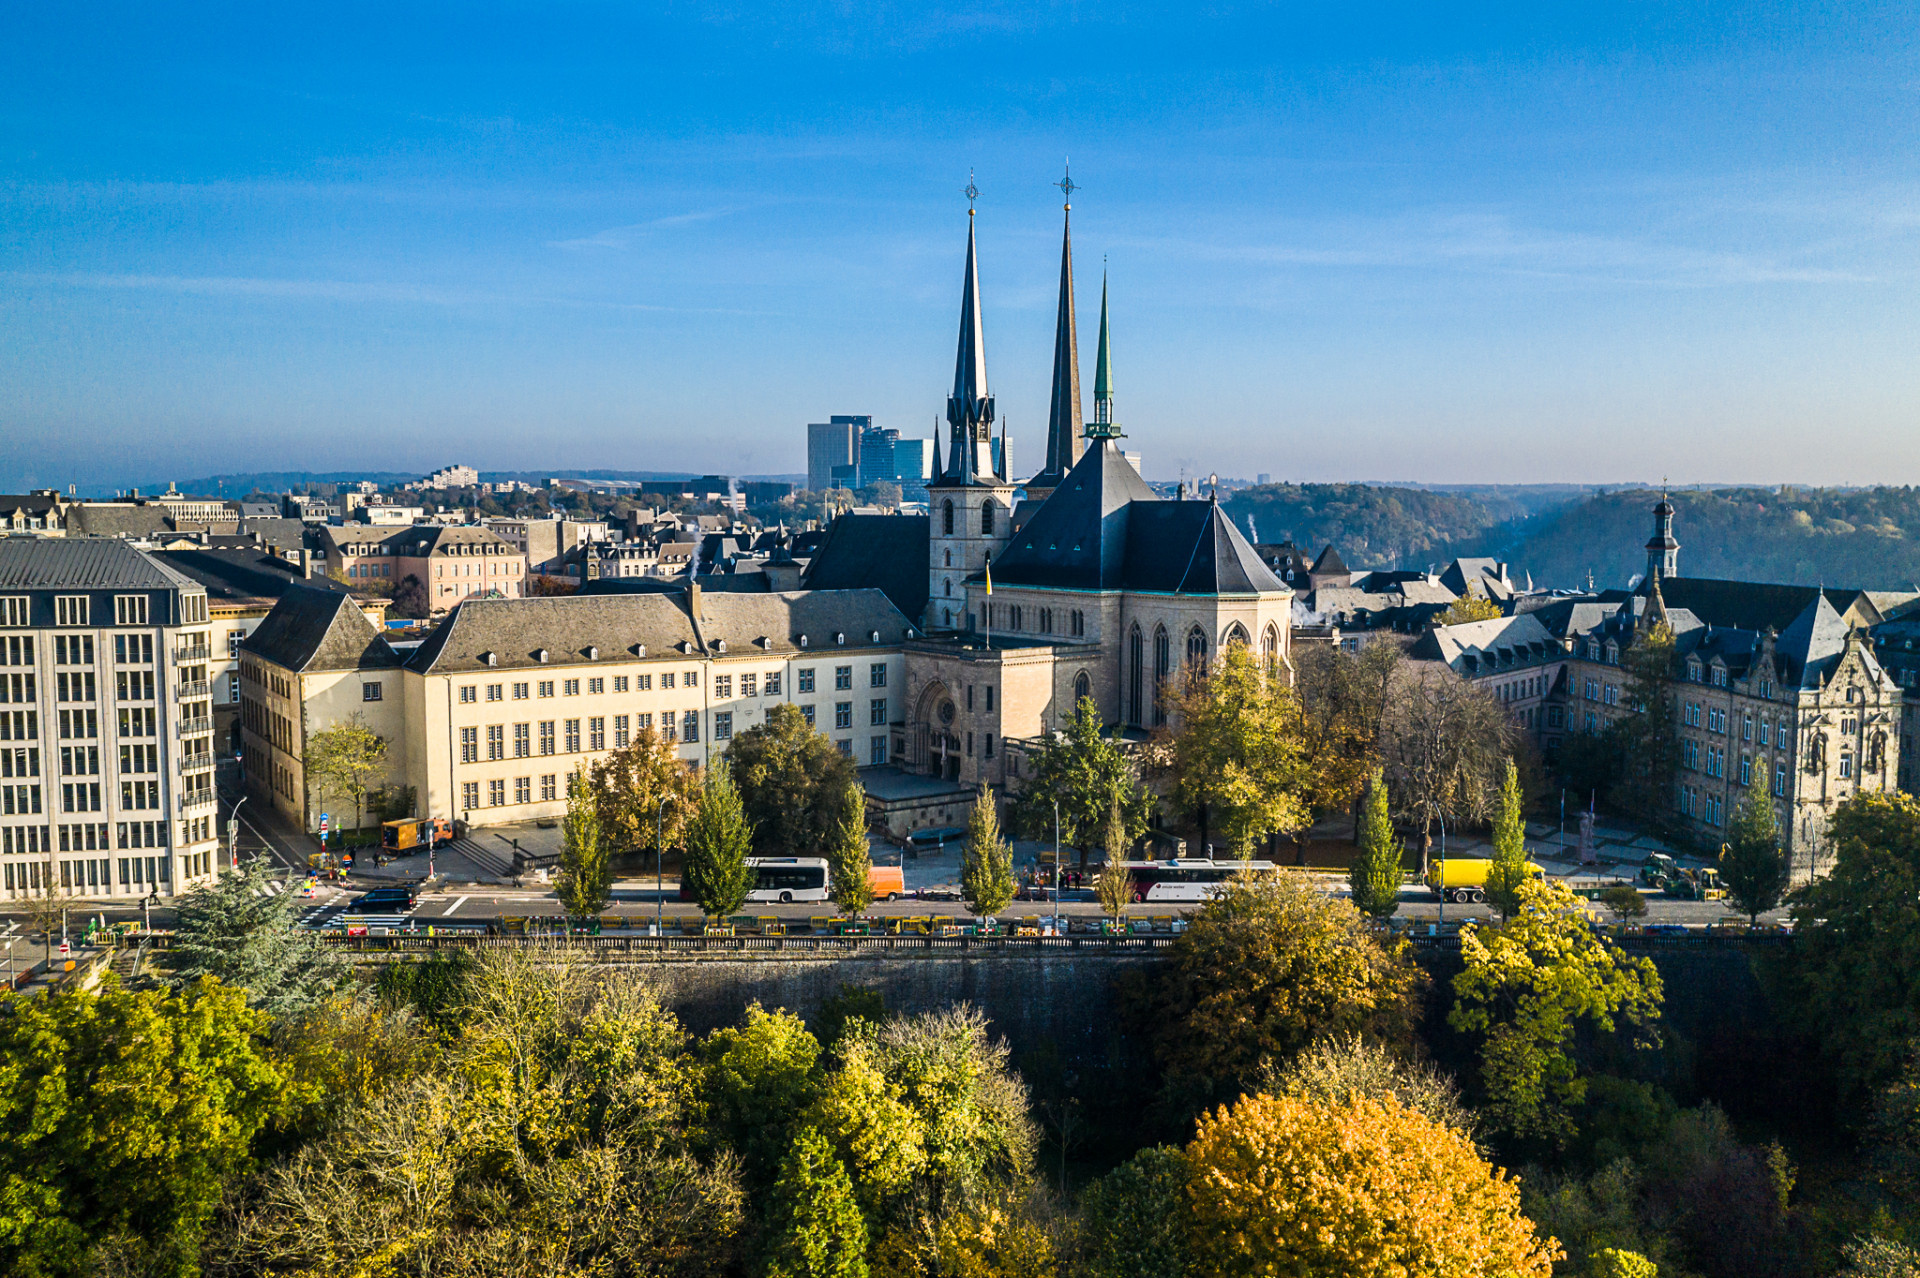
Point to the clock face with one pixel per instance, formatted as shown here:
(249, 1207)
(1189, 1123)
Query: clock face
(946, 712)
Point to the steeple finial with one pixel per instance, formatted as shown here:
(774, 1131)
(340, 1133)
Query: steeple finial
(1103, 426)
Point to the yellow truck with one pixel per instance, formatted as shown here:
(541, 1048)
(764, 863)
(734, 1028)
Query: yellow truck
(1463, 881)
(413, 832)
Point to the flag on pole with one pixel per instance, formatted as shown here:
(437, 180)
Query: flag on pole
(989, 574)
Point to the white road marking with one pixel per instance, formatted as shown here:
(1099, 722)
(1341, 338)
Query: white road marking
(458, 902)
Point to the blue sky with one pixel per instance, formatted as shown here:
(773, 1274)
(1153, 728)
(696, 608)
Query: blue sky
(1372, 241)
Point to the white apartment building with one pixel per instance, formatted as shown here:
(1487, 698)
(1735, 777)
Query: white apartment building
(106, 728)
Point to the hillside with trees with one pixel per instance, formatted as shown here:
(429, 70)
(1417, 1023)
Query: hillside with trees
(1374, 527)
(1866, 538)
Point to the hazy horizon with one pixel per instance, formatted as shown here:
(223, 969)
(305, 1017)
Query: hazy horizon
(1512, 247)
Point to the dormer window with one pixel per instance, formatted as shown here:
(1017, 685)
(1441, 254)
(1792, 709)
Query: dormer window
(488, 658)
(639, 650)
(593, 653)
(540, 655)
(803, 641)
(719, 645)
(874, 637)
(840, 637)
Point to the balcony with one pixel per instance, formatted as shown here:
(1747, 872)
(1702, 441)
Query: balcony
(186, 656)
(195, 690)
(193, 727)
(193, 765)
(194, 800)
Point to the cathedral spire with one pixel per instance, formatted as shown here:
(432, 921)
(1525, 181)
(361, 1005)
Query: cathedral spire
(1064, 441)
(1102, 426)
(970, 406)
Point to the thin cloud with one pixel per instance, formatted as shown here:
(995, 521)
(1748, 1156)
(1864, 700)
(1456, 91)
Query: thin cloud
(623, 237)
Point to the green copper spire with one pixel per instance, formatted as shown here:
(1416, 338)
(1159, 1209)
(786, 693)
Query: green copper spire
(1102, 426)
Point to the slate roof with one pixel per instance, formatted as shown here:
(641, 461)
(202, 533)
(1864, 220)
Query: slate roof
(1482, 647)
(88, 520)
(621, 626)
(316, 629)
(743, 582)
(1104, 529)
(1753, 605)
(1812, 643)
(241, 575)
(885, 552)
(1329, 561)
(57, 563)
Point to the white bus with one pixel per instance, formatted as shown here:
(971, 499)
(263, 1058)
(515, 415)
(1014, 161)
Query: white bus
(785, 879)
(1188, 879)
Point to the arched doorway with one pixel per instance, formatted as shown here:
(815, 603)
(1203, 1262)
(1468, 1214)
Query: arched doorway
(936, 746)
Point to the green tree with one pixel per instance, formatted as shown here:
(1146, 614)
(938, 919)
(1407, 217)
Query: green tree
(1344, 698)
(246, 934)
(1509, 868)
(1375, 876)
(758, 1079)
(791, 780)
(1335, 1069)
(1855, 966)
(986, 865)
(1134, 1219)
(1263, 969)
(1082, 770)
(586, 861)
(1752, 865)
(1526, 988)
(1625, 901)
(346, 760)
(1238, 754)
(1649, 734)
(644, 794)
(815, 1227)
(848, 857)
(123, 1119)
(718, 840)
(1113, 888)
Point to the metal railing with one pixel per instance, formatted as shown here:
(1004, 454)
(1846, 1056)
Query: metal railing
(190, 691)
(185, 656)
(194, 764)
(192, 800)
(192, 727)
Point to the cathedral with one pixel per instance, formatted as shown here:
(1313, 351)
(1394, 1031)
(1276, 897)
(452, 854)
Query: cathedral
(1081, 582)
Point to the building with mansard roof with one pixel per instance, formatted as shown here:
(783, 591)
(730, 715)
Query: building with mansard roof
(1089, 586)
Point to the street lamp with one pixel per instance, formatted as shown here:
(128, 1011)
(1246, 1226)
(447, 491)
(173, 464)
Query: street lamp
(659, 856)
(233, 834)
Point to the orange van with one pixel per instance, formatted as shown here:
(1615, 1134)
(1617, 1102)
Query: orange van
(889, 882)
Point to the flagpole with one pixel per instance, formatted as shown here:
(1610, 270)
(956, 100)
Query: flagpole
(988, 606)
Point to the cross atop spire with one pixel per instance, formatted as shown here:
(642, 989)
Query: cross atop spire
(1067, 186)
(972, 192)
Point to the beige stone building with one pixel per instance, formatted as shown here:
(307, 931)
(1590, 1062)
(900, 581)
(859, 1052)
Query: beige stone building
(507, 697)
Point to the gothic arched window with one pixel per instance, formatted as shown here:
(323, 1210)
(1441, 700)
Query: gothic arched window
(946, 517)
(1270, 646)
(986, 518)
(949, 587)
(1082, 688)
(1236, 633)
(1162, 668)
(1136, 671)
(1196, 650)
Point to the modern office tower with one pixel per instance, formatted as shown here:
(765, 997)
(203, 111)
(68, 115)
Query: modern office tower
(834, 442)
(876, 454)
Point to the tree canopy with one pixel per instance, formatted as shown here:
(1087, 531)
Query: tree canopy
(245, 933)
(1360, 1187)
(1526, 987)
(791, 780)
(986, 863)
(629, 787)
(1237, 753)
(586, 860)
(1753, 866)
(1085, 773)
(346, 761)
(1375, 876)
(719, 839)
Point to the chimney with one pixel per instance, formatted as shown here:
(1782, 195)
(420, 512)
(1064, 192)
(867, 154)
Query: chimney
(693, 597)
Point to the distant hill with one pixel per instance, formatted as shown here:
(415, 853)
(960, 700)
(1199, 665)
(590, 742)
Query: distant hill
(1374, 527)
(1861, 538)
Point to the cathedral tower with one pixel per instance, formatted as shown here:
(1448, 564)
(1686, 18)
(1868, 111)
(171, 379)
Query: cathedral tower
(970, 503)
(1064, 440)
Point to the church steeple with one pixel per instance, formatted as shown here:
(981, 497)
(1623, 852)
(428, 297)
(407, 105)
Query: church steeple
(1064, 441)
(970, 406)
(1663, 552)
(1103, 426)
